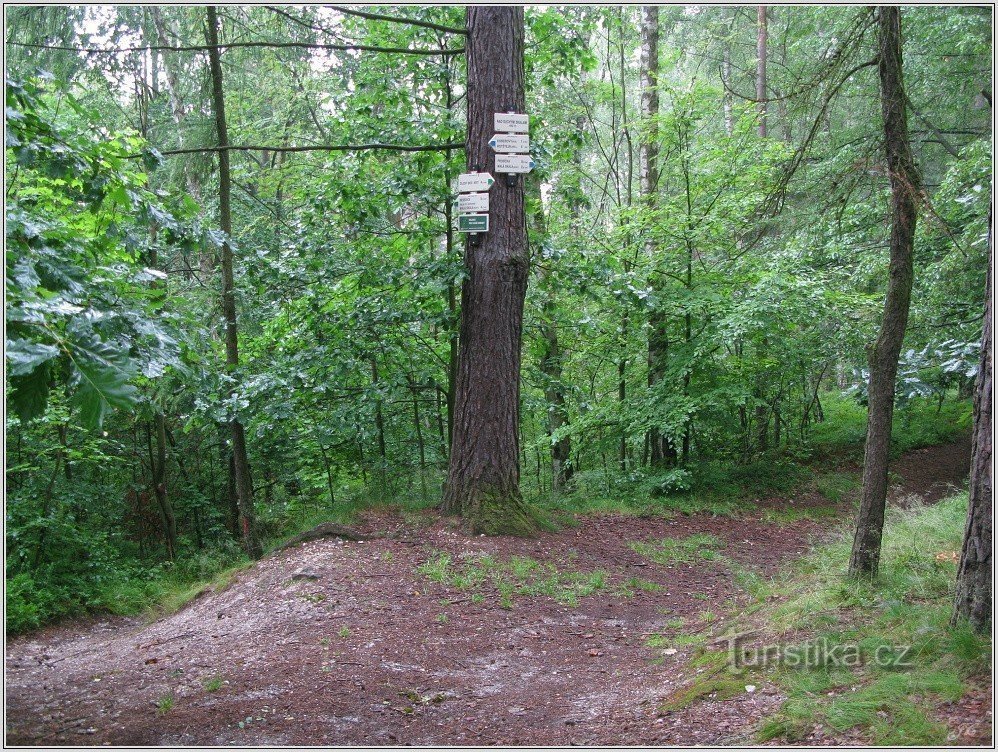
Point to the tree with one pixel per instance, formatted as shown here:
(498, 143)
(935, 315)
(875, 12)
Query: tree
(973, 579)
(883, 355)
(484, 472)
(240, 460)
(762, 40)
(551, 356)
(662, 449)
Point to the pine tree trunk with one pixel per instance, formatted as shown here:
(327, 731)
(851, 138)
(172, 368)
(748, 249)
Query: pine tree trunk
(973, 579)
(243, 481)
(883, 355)
(483, 481)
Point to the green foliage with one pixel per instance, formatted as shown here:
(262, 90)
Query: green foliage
(81, 310)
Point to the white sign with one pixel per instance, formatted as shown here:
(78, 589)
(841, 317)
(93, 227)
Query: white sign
(514, 163)
(511, 122)
(510, 143)
(473, 202)
(474, 181)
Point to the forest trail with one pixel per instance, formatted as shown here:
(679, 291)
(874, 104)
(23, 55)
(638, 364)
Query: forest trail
(348, 643)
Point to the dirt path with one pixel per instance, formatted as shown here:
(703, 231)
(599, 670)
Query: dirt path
(347, 643)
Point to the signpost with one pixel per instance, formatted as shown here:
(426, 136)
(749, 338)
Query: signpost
(511, 122)
(472, 202)
(472, 199)
(514, 163)
(473, 223)
(474, 181)
(510, 143)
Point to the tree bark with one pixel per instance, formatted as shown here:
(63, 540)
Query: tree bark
(243, 481)
(973, 579)
(379, 425)
(762, 38)
(484, 473)
(883, 355)
(661, 449)
(159, 485)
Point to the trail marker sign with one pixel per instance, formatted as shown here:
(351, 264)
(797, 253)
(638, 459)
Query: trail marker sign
(470, 182)
(510, 143)
(514, 163)
(472, 202)
(511, 122)
(473, 223)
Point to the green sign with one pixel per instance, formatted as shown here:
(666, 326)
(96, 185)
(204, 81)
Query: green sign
(473, 223)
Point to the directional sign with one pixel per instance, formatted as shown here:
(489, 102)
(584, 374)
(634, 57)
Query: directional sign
(474, 181)
(473, 202)
(514, 163)
(510, 143)
(511, 122)
(473, 223)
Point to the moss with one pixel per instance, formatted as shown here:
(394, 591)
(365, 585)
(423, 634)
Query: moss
(497, 513)
(714, 686)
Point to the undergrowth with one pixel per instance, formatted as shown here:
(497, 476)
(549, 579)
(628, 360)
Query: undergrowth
(84, 571)
(882, 653)
(726, 486)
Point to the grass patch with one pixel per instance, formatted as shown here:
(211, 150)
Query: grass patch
(902, 616)
(516, 576)
(667, 551)
(632, 585)
(165, 704)
(838, 486)
(213, 684)
(675, 641)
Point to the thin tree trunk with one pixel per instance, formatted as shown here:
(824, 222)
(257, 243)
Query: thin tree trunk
(883, 355)
(379, 424)
(729, 119)
(762, 37)
(550, 362)
(483, 481)
(452, 286)
(159, 485)
(761, 417)
(661, 449)
(974, 585)
(329, 473)
(243, 481)
(157, 461)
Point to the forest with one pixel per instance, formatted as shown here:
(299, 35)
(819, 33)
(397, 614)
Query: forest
(720, 363)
